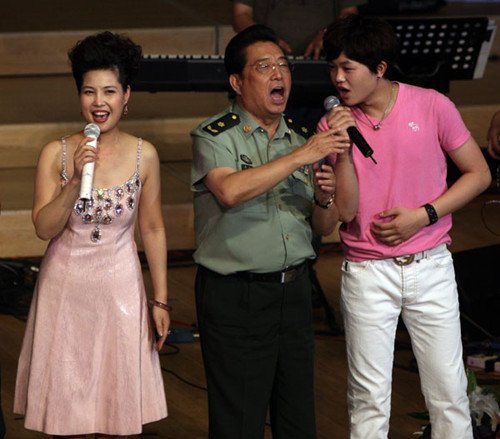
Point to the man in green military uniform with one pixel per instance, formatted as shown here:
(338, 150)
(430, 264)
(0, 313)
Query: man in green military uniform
(254, 188)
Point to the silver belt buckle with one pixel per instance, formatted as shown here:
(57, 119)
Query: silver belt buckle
(287, 276)
(404, 260)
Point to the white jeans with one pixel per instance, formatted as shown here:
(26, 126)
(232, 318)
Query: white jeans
(424, 292)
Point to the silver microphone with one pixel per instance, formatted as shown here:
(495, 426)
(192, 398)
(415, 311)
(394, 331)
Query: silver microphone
(91, 130)
(332, 102)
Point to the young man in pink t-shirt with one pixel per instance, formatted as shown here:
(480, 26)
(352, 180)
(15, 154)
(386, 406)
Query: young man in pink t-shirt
(396, 258)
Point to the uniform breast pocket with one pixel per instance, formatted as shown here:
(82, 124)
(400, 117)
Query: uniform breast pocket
(302, 183)
(300, 193)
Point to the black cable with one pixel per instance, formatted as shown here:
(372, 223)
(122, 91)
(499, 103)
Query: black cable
(176, 349)
(185, 381)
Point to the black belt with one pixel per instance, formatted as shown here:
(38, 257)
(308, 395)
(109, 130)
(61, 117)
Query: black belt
(289, 274)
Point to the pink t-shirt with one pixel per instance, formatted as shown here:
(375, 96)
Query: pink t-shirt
(410, 149)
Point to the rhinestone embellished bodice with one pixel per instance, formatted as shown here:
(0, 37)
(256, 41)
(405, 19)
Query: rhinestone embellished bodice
(107, 204)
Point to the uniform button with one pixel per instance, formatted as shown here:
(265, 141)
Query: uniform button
(287, 236)
(280, 207)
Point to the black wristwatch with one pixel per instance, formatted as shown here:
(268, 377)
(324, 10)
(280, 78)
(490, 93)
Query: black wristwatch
(431, 213)
(328, 203)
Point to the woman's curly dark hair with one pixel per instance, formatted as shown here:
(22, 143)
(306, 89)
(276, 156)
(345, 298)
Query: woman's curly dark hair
(105, 51)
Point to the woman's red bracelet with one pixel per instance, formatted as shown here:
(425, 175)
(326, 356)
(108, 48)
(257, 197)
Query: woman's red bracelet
(160, 305)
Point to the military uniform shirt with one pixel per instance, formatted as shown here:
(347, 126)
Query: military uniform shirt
(267, 233)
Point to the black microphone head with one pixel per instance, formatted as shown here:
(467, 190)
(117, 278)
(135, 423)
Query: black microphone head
(92, 130)
(331, 102)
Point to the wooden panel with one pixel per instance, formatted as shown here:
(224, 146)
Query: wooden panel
(17, 235)
(45, 53)
(18, 238)
(225, 34)
(477, 118)
(20, 143)
(16, 188)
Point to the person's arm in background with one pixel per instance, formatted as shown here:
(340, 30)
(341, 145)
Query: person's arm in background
(242, 17)
(493, 136)
(315, 47)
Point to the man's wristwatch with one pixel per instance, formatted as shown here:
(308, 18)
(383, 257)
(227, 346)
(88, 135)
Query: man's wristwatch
(328, 203)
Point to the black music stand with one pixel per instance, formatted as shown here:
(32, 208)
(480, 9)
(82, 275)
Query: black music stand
(436, 50)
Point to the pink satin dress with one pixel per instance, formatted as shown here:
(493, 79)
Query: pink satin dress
(87, 363)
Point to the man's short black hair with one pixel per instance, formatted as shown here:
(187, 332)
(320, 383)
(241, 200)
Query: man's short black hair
(367, 40)
(235, 55)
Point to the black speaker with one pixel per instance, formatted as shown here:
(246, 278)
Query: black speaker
(477, 273)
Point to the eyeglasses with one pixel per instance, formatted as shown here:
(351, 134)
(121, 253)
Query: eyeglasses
(266, 67)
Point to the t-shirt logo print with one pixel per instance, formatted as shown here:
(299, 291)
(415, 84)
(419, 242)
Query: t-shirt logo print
(414, 126)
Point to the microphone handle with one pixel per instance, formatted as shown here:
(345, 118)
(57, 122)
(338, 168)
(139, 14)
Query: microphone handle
(87, 176)
(87, 179)
(360, 142)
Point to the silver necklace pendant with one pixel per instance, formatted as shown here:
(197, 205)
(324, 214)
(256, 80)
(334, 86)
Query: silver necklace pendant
(384, 114)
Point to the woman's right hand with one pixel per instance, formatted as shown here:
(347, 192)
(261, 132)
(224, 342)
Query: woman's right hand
(84, 153)
(340, 118)
(53, 200)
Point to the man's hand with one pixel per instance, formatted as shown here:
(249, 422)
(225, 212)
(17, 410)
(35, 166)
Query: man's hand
(284, 45)
(321, 145)
(315, 47)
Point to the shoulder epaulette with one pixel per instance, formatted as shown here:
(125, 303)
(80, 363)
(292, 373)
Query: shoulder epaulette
(300, 129)
(222, 124)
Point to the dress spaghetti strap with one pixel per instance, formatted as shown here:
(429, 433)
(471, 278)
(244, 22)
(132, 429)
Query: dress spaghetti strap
(64, 174)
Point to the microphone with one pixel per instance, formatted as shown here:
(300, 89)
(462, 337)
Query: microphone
(332, 102)
(91, 130)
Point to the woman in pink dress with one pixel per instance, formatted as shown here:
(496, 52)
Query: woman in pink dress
(89, 361)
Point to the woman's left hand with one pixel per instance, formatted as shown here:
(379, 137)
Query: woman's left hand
(161, 318)
(324, 182)
(399, 224)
